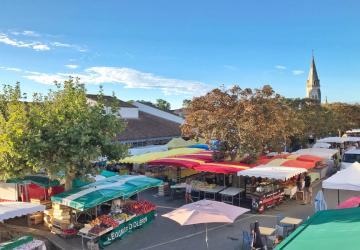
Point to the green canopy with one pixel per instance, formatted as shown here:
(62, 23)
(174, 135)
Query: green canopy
(40, 180)
(328, 229)
(96, 193)
(15, 242)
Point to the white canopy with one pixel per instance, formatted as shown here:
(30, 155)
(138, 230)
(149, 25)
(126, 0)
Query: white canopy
(321, 145)
(347, 179)
(325, 153)
(331, 140)
(272, 172)
(10, 210)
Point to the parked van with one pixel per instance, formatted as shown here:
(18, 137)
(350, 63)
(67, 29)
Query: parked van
(350, 157)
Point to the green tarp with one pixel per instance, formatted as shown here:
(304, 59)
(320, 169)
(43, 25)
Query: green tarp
(15, 243)
(96, 193)
(126, 228)
(329, 229)
(40, 180)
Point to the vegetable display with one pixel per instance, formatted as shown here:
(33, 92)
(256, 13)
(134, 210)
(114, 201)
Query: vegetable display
(139, 207)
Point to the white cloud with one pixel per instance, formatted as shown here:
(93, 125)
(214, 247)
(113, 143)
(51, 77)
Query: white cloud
(280, 67)
(26, 33)
(5, 39)
(297, 72)
(10, 69)
(41, 47)
(130, 78)
(230, 67)
(72, 66)
(67, 45)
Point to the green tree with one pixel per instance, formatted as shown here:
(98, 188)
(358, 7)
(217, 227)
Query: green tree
(162, 104)
(14, 133)
(68, 134)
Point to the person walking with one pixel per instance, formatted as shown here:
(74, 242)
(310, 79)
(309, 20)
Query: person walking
(307, 188)
(299, 182)
(257, 243)
(188, 189)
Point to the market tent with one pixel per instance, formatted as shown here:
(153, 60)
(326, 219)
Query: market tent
(147, 149)
(10, 210)
(39, 180)
(347, 179)
(342, 185)
(96, 193)
(272, 172)
(321, 145)
(328, 229)
(177, 162)
(276, 162)
(202, 157)
(351, 202)
(202, 146)
(180, 142)
(324, 153)
(309, 158)
(299, 164)
(331, 140)
(139, 159)
(222, 167)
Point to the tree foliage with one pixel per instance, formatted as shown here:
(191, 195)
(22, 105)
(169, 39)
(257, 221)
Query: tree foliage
(251, 121)
(64, 133)
(163, 104)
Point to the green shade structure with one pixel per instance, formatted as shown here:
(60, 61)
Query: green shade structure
(328, 229)
(96, 193)
(40, 180)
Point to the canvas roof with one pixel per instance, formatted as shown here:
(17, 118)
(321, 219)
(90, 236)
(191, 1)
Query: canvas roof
(327, 229)
(272, 172)
(98, 192)
(346, 179)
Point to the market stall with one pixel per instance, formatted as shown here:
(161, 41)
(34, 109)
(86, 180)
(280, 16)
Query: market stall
(342, 185)
(10, 210)
(103, 211)
(23, 243)
(265, 184)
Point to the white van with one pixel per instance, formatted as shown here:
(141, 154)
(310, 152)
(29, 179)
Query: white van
(350, 157)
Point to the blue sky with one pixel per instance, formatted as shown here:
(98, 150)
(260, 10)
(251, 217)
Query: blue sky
(179, 49)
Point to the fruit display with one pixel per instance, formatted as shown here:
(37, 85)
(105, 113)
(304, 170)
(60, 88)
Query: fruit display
(107, 220)
(95, 222)
(98, 229)
(121, 217)
(139, 207)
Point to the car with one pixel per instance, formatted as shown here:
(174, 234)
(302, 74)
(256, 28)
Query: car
(349, 157)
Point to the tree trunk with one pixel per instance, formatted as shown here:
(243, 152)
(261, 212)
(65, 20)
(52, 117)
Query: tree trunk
(69, 177)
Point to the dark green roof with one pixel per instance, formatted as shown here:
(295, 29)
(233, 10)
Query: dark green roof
(329, 229)
(40, 180)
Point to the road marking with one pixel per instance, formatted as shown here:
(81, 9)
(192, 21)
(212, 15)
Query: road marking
(198, 233)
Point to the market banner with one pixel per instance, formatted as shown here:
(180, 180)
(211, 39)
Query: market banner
(126, 228)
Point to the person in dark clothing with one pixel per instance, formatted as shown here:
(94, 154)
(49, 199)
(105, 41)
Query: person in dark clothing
(307, 189)
(299, 182)
(257, 243)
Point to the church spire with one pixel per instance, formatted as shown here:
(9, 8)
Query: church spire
(313, 82)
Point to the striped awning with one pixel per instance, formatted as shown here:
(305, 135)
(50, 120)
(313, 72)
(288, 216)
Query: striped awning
(222, 167)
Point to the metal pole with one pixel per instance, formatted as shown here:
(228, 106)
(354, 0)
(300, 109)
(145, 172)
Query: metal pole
(338, 196)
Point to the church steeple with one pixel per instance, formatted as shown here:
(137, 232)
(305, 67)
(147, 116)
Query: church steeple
(313, 83)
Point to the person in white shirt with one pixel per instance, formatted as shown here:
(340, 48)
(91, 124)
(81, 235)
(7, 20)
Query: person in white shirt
(188, 189)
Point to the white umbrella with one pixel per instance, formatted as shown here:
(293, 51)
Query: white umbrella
(205, 211)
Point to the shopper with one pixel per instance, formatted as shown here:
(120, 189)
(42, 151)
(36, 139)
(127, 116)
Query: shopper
(257, 243)
(188, 190)
(299, 182)
(307, 189)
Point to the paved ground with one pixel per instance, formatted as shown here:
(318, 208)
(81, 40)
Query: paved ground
(164, 234)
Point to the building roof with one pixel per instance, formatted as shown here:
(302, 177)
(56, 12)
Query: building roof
(149, 126)
(108, 99)
(313, 78)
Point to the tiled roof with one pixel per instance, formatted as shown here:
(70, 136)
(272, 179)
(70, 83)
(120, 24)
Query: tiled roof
(148, 126)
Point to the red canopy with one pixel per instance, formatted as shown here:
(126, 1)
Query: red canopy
(178, 162)
(222, 167)
(310, 158)
(299, 164)
(351, 202)
(202, 157)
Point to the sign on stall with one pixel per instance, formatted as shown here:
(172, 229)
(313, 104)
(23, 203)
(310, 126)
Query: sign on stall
(126, 228)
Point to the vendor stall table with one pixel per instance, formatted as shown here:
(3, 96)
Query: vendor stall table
(177, 187)
(291, 221)
(212, 191)
(231, 192)
(290, 191)
(266, 231)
